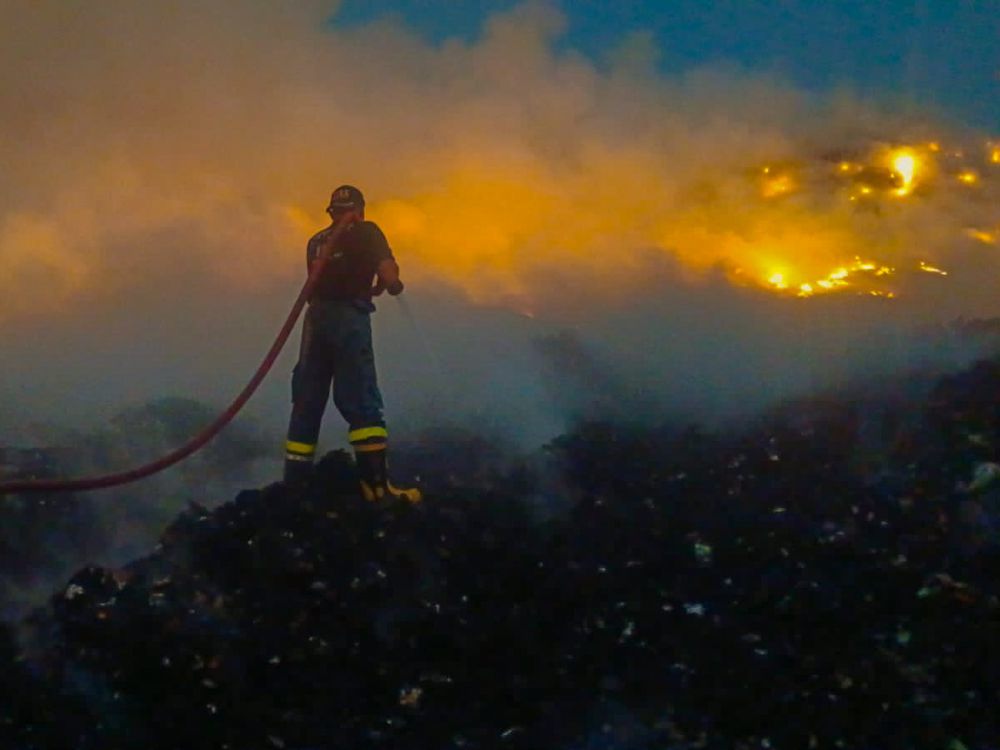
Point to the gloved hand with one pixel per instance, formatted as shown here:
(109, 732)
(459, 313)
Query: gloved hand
(395, 288)
(378, 289)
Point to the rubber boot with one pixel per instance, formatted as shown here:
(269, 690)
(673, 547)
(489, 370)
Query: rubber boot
(374, 477)
(298, 471)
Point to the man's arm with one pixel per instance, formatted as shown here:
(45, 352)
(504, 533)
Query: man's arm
(388, 278)
(386, 270)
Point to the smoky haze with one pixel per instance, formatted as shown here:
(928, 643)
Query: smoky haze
(575, 237)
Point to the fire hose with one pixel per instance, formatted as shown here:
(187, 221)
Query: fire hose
(202, 438)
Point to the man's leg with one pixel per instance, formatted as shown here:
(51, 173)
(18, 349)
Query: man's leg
(357, 397)
(310, 391)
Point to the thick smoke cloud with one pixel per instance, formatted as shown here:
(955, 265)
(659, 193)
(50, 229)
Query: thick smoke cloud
(165, 162)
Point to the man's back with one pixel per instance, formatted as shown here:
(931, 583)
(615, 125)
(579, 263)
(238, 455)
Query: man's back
(353, 263)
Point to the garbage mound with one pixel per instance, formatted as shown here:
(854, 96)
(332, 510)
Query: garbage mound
(44, 538)
(826, 578)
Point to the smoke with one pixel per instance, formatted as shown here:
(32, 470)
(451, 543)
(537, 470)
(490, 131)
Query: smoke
(45, 538)
(165, 163)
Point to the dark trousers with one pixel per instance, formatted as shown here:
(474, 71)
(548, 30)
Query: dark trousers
(336, 347)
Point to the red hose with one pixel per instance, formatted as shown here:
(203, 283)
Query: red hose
(199, 440)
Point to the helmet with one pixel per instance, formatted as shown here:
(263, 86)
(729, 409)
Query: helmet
(346, 198)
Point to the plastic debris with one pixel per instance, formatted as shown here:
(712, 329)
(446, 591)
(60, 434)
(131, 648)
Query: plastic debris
(703, 553)
(410, 696)
(984, 476)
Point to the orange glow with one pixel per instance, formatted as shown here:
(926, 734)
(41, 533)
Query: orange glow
(982, 235)
(778, 185)
(490, 224)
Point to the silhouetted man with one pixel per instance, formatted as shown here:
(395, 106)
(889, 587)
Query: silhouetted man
(337, 346)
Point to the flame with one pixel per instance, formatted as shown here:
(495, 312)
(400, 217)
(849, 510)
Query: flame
(968, 177)
(904, 164)
(994, 150)
(838, 278)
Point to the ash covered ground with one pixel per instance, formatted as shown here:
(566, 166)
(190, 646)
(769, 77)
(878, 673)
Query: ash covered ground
(825, 578)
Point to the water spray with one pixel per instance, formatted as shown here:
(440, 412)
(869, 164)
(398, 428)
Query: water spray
(418, 332)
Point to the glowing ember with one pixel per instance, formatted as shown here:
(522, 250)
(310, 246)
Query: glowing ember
(994, 149)
(968, 177)
(932, 269)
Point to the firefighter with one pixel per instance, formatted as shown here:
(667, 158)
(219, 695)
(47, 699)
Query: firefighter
(337, 346)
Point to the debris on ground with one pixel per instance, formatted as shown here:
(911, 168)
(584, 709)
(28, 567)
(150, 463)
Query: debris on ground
(801, 584)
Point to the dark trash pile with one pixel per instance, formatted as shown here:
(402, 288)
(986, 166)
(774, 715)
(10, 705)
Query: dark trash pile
(43, 539)
(826, 578)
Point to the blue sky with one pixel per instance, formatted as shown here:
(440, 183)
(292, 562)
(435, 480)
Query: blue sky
(941, 53)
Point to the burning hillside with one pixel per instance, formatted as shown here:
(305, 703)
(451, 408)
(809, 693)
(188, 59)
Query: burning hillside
(873, 181)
